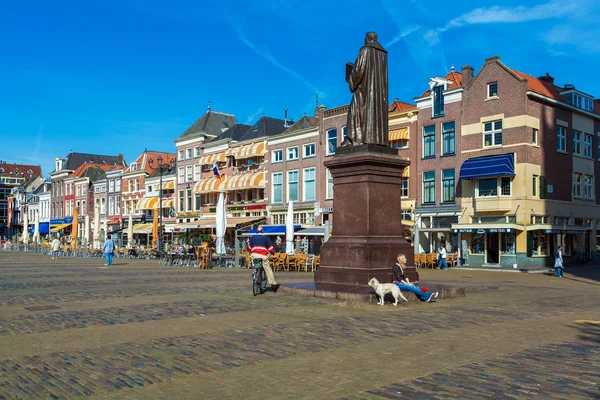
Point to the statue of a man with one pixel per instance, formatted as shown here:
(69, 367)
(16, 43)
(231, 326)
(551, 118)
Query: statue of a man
(368, 81)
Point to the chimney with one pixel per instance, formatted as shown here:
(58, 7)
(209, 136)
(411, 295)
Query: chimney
(121, 159)
(467, 76)
(285, 122)
(316, 106)
(547, 78)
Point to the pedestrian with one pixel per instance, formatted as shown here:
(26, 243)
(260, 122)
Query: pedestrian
(401, 280)
(442, 254)
(109, 250)
(55, 246)
(558, 262)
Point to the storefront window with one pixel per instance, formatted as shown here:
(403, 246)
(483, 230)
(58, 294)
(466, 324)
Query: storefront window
(540, 244)
(478, 243)
(508, 243)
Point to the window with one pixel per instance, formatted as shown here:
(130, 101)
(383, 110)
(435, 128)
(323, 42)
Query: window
(189, 199)
(587, 145)
(429, 187)
(588, 186)
(198, 202)
(180, 155)
(344, 130)
(309, 150)
(137, 185)
(534, 136)
(189, 153)
(540, 243)
(438, 101)
(197, 151)
(331, 141)
(83, 210)
(277, 156)
(117, 205)
(292, 153)
(111, 186)
(78, 190)
(329, 194)
(278, 187)
(448, 138)
(576, 184)
(488, 187)
(309, 184)
(181, 201)
(505, 186)
(181, 174)
(399, 144)
(561, 138)
(188, 173)
(117, 186)
(576, 142)
(197, 172)
(111, 206)
(406, 215)
(292, 186)
(404, 187)
(492, 133)
(492, 90)
(429, 141)
(534, 185)
(448, 185)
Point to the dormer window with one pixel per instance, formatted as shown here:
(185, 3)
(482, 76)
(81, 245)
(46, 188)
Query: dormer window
(134, 166)
(438, 100)
(492, 90)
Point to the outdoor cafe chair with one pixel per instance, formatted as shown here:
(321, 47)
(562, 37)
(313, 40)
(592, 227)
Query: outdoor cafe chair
(431, 260)
(310, 262)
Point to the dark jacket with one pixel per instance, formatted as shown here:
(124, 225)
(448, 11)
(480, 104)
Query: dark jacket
(398, 273)
(261, 244)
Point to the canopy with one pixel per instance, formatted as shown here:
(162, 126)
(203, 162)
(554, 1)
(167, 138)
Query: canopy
(398, 134)
(272, 230)
(142, 228)
(168, 185)
(208, 185)
(59, 227)
(312, 231)
(150, 203)
(251, 150)
(488, 167)
(44, 228)
(250, 180)
(214, 157)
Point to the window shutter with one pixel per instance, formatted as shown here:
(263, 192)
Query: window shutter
(542, 187)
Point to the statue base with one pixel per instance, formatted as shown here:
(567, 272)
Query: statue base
(367, 228)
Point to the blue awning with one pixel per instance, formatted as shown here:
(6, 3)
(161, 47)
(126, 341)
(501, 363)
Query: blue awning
(488, 167)
(270, 230)
(44, 228)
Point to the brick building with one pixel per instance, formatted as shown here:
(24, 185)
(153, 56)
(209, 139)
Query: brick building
(13, 176)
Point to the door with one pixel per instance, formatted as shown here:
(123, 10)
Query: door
(492, 248)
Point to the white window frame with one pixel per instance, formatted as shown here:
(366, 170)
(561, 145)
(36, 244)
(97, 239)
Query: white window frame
(181, 174)
(588, 188)
(274, 183)
(189, 173)
(588, 141)
(189, 153)
(289, 153)
(197, 151)
(534, 136)
(576, 139)
(197, 172)
(277, 156)
(402, 188)
(305, 182)
(331, 137)
(577, 185)
(329, 180)
(489, 87)
(297, 182)
(307, 147)
(493, 133)
(498, 188)
(561, 139)
(117, 185)
(180, 155)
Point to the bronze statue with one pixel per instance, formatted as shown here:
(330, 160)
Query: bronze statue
(368, 80)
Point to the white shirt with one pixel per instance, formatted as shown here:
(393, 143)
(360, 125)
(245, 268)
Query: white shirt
(443, 252)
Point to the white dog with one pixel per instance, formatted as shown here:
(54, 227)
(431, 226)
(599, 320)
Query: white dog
(384, 288)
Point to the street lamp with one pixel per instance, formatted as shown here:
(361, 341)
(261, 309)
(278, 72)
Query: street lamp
(160, 170)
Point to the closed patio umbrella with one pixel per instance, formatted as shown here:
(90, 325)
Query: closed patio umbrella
(155, 229)
(75, 226)
(289, 229)
(36, 229)
(130, 232)
(221, 223)
(25, 237)
(97, 227)
(86, 230)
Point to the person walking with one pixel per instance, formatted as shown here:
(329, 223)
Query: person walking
(55, 246)
(443, 254)
(558, 262)
(260, 246)
(400, 279)
(109, 249)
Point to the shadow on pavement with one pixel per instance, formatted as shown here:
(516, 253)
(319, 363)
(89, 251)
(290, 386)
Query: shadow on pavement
(589, 272)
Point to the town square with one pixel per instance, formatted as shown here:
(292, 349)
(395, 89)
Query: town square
(200, 201)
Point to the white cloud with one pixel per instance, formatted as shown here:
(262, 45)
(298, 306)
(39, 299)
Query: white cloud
(252, 117)
(266, 54)
(402, 34)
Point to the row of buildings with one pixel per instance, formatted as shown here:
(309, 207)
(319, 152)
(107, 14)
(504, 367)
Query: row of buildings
(503, 165)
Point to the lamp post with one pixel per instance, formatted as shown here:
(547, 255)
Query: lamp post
(160, 170)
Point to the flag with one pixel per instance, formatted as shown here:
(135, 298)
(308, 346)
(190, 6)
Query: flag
(216, 170)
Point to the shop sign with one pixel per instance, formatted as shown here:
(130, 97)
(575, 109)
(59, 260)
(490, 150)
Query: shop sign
(56, 221)
(188, 214)
(483, 230)
(327, 210)
(575, 232)
(552, 231)
(68, 220)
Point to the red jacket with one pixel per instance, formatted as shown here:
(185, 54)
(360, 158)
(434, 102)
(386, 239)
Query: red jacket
(261, 244)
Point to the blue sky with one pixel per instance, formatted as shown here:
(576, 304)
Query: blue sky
(114, 76)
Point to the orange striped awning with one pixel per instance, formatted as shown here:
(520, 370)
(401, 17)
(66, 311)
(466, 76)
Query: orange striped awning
(398, 134)
(251, 150)
(208, 159)
(168, 185)
(150, 203)
(232, 151)
(253, 180)
(210, 185)
(406, 172)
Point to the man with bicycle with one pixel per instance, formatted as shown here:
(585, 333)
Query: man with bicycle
(260, 247)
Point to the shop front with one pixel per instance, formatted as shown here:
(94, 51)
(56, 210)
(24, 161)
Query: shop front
(488, 245)
(433, 226)
(543, 241)
(61, 226)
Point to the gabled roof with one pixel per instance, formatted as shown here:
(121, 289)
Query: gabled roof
(265, 126)
(400, 106)
(94, 171)
(11, 170)
(76, 160)
(303, 123)
(541, 87)
(212, 123)
(143, 160)
(455, 79)
(235, 133)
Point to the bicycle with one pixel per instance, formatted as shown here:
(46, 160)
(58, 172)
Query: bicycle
(259, 277)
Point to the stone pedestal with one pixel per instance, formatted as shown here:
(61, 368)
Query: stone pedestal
(367, 228)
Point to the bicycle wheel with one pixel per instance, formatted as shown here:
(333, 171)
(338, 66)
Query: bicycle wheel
(263, 280)
(256, 283)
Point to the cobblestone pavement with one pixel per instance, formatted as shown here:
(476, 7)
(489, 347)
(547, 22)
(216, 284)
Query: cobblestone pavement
(70, 328)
